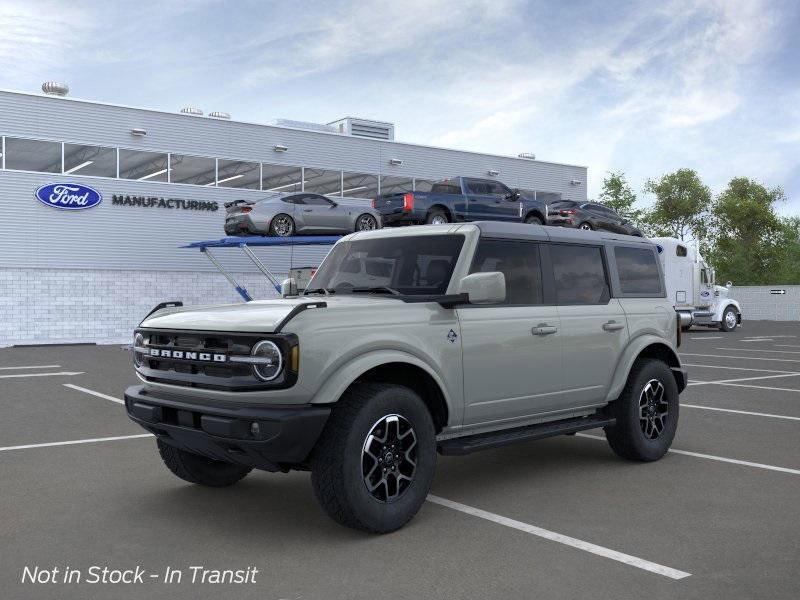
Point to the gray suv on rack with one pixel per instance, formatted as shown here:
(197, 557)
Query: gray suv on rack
(408, 342)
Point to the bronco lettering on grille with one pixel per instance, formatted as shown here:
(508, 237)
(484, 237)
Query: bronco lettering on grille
(182, 354)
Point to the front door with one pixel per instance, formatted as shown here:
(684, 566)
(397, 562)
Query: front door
(511, 351)
(322, 214)
(594, 329)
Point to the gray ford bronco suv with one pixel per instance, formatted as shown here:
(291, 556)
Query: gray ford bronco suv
(436, 338)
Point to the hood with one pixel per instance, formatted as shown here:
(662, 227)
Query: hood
(720, 291)
(261, 316)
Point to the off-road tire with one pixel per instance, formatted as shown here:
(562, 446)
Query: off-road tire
(437, 214)
(336, 461)
(723, 326)
(627, 437)
(199, 469)
(534, 220)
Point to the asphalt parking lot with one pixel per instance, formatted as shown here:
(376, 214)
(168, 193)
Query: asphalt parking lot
(719, 517)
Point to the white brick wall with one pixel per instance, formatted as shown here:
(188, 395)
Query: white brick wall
(759, 304)
(41, 306)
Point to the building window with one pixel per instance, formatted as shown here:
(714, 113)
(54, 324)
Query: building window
(143, 166)
(238, 174)
(195, 170)
(359, 185)
(396, 185)
(90, 160)
(320, 181)
(33, 155)
(423, 185)
(279, 178)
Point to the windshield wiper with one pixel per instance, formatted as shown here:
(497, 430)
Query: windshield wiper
(379, 289)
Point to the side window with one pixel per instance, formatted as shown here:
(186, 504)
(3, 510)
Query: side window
(317, 200)
(294, 199)
(680, 250)
(580, 275)
(638, 271)
(445, 187)
(497, 189)
(519, 262)
(475, 186)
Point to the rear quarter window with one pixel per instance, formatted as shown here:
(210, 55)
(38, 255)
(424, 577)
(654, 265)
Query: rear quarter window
(638, 271)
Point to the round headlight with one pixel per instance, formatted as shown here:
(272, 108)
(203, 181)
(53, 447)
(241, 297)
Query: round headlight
(138, 342)
(270, 360)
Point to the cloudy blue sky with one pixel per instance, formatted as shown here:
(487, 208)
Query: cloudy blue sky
(642, 87)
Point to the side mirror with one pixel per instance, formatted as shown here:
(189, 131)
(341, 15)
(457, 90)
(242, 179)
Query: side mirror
(289, 287)
(484, 288)
(514, 195)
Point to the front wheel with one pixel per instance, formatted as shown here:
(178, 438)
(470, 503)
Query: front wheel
(646, 413)
(366, 222)
(533, 220)
(729, 320)
(199, 469)
(281, 226)
(374, 463)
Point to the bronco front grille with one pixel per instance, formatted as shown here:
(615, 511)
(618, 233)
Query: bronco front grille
(205, 359)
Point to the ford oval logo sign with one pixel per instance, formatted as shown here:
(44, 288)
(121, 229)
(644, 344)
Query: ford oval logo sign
(68, 196)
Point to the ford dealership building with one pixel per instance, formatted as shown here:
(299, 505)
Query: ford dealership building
(120, 189)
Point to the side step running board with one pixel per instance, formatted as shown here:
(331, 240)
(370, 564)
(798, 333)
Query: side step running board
(494, 439)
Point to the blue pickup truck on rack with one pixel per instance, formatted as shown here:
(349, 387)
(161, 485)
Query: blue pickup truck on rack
(461, 199)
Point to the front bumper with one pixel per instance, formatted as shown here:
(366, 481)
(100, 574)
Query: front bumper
(285, 435)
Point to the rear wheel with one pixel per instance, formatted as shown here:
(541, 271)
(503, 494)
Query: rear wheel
(282, 225)
(374, 463)
(729, 320)
(533, 220)
(437, 217)
(199, 469)
(646, 413)
(586, 226)
(366, 222)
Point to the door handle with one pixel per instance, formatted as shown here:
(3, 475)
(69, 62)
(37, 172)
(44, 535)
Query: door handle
(613, 326)
(543, 329)
(307, 210)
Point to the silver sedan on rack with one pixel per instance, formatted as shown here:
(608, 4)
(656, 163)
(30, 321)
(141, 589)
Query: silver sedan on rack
(284, 215)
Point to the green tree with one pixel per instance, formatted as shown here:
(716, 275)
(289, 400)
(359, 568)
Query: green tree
(618, 195)
(681, 206)
(752, 245)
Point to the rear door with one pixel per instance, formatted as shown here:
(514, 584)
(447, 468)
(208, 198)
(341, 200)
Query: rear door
(593, 327)
(511, 351)
(480, 200)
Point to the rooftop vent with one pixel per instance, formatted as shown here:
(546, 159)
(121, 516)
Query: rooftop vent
(53, 88)
(192, 110)
(219, 115)
(376, 130)
(527, 155)
(303, 125)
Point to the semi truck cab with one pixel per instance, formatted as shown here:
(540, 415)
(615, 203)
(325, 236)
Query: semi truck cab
(691, 286)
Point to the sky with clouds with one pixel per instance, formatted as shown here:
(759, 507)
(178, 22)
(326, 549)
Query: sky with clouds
(641, 87)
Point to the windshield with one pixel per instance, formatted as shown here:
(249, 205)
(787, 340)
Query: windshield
(408, 265)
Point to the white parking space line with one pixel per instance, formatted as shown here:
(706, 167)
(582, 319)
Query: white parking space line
(760, 387)
(712, 337)
(30, 367)
(73, 442)
(758, 350)
(561, 539)
(65, 373)
(741, 412)
(93, 393)
(721, 381)
(733, 461)
(792, 360)
(787, 346)
(740, 368)
(757, 340)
